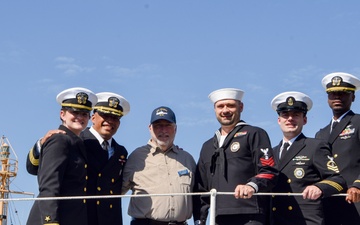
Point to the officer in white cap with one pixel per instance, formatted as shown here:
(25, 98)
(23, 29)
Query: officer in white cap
(77, 99)
(106, 158)
(113, 104)
(306, 165)
(63, 163)
(237, 158)
(343, 134)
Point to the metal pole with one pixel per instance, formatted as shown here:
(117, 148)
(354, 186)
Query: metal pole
(212, 206)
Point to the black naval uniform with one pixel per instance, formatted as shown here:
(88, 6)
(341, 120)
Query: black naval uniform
(345, 145)
(245, 156)
(308, 161)
(105, 178)
(62, 172)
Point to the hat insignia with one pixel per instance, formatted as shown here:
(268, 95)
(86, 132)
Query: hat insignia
(113, 102)
(336, 81)
(161, 112)
(290, 101)
(82, 98)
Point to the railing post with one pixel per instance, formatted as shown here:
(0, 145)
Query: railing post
(213, 193)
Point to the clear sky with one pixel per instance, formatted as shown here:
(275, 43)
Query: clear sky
(172, 53)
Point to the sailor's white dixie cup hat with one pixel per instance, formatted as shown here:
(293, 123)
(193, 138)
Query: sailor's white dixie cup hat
(112, 103)
(226, 93)
(291, 101)
(77, 99)
(340, 81)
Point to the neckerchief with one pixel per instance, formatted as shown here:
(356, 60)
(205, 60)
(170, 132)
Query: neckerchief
(220, 151)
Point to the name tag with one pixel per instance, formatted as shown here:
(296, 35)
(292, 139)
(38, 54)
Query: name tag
(183, 172)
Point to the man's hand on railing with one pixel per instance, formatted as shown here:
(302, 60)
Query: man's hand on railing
(312, 192)
(244, 191)
(353, 195)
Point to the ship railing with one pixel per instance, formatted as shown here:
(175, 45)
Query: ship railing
(213, 194)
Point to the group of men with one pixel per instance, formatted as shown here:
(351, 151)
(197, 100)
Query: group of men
(239, 158)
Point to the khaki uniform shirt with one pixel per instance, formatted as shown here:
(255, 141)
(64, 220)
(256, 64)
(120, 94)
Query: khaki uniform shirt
(149, 170)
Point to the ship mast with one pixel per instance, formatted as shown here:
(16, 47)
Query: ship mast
(9, 168)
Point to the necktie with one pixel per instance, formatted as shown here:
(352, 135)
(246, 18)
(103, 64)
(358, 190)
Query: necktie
(284, 149)
(105, 145)
(334, 125)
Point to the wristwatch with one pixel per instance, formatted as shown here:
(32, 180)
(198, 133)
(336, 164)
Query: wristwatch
(199, 222)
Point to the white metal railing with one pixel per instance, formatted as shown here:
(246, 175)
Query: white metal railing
(213, 193)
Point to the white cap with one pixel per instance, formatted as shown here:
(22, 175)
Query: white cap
(226, 93)
(112, 103)
(77, 98)
(291, 100)
(340, 81)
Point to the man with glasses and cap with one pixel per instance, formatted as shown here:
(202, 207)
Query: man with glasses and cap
(160, 167)
(238, 158)
(343, 135)
(305, 164)
(106, 158)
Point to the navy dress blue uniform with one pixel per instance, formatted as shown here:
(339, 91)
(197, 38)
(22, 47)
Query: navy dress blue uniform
(344, 140)
(308, 161)
(105, 178)
(245, 158)
(67, 155)
(62, 164)
(345, 145)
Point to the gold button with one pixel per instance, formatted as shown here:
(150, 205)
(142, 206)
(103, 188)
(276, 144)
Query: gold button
(336, 155)
(85, 166)
(84, 189)
(98, 202)
(289, 181)
(110, 206)
(111, 192)
(99, 188)
(274, 209)
(290, 208)
(86, 178)
(99, 175)
(112, 180)
(84, 201)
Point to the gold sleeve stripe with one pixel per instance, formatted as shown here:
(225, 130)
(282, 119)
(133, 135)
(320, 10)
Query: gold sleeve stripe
(34, 161)
(332, 184)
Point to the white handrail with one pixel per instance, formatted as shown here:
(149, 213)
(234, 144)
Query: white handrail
(213, 193)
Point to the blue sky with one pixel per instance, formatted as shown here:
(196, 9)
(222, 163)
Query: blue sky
(171, 53)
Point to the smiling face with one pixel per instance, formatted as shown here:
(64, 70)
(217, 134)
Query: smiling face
(76, 121)
(105, 124)
(228, 112)
(163, 133)
(291, 123)
(340, 102)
